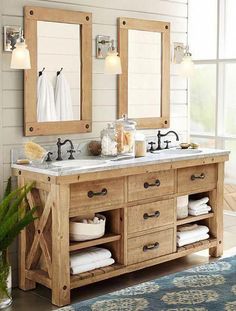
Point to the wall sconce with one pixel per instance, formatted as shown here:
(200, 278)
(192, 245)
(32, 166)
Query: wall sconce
(105, 50)
(183, 57)
(14, 42)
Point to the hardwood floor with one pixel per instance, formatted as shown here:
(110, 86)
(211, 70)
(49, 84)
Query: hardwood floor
(230, 197)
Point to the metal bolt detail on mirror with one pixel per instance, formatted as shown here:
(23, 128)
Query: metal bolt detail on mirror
(58, 87)
(144, 85)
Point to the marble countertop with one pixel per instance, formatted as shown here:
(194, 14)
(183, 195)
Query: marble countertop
(118, 163)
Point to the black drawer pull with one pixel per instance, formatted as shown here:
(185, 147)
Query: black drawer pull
(150, 247)
(92, 194)
(201, 176)
(152, 215)
(156, 184)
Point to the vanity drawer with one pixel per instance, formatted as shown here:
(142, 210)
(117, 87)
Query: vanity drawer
(96, 193)
(150, 246)
(152, 215)
(146, 186)
(202, 177)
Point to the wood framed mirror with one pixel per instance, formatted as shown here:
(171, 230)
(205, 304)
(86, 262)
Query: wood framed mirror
(60, 46)
(144, 85)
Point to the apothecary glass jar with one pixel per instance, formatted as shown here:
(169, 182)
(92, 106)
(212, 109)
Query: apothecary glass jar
(109, 141)
(125, 131)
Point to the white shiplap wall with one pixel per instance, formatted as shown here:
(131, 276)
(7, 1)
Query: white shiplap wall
(105, 14)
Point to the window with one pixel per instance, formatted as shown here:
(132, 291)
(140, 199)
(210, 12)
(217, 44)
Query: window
(212, 89)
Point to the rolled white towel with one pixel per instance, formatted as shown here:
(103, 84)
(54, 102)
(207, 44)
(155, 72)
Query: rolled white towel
(200, 212)
(182, 242)
(195, 203)
(200, 230)
(182, 201)
(92, 266)
(90, 255)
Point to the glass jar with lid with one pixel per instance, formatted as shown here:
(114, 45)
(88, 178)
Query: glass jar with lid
(125, 133)
(109, 141)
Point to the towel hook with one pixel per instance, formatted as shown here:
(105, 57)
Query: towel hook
(41, 72)
(58, 72)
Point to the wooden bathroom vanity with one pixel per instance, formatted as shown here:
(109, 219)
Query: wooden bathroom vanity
(139, 204)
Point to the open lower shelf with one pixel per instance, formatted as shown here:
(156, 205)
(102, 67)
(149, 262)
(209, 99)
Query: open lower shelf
(95, 275)
(107, 238)
(197, 245)
(190, 219)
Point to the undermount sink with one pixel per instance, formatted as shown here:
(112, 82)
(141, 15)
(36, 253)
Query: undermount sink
(181, 151)
(80, 163)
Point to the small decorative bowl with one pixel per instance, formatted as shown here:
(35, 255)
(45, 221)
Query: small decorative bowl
(184, 145)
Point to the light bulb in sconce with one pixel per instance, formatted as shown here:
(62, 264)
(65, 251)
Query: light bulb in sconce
(20, 55)
(112, 63)
(187, 66)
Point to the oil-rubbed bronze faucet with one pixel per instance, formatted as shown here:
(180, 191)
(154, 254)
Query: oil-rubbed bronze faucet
(159, 135)
(71, 150)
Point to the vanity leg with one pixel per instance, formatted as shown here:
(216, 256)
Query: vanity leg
(24, 283)
(60, 245)
(216, 223)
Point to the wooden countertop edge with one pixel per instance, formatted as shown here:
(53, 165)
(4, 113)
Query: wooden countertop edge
(120, 172)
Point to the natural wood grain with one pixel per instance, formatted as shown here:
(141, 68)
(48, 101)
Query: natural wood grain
(137, 191)
(31, 126)
(79, 193)
(190, 219)
(125, 24)
(185, 183)
(135, 246)
(60, 245)
(138, 222)
(109, 237)
(216, 223)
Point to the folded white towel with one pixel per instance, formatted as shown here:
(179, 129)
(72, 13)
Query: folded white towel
(182, 201)
(195, 203)
(92, 266)
(187, 227)
(200, 230)
(200, 212)
(91, 255)
(182, 242)
(199, 207)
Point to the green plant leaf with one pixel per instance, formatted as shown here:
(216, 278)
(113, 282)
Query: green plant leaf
(21, 224)
(8, 188)
(8, 224)
(4, 205)
(15, 205)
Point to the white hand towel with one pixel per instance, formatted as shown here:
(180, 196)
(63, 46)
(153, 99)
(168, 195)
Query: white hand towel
(46, 110)
(63, 99)
(200, 212)
(182, 242)
(200, 230)
(92, 266)
(182, 201)
(90, 255)
(199, 207)
(195, 203)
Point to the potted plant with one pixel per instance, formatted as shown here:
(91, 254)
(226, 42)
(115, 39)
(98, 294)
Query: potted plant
(13, 218)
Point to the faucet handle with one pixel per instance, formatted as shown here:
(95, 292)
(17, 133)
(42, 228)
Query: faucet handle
(71, 151)
(151, 143)
(167, 143)
(49, 154)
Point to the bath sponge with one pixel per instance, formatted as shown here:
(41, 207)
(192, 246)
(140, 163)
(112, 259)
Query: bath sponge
(34, 151)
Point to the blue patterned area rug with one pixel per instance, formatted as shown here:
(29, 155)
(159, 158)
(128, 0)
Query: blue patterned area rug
(207, 287)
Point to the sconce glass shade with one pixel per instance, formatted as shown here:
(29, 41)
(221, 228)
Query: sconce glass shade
(187, 66)
(20, 58)
(112, 63)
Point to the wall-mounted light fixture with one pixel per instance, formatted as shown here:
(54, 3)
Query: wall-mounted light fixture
(14, 42)
(183, 57)
(105, 50)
